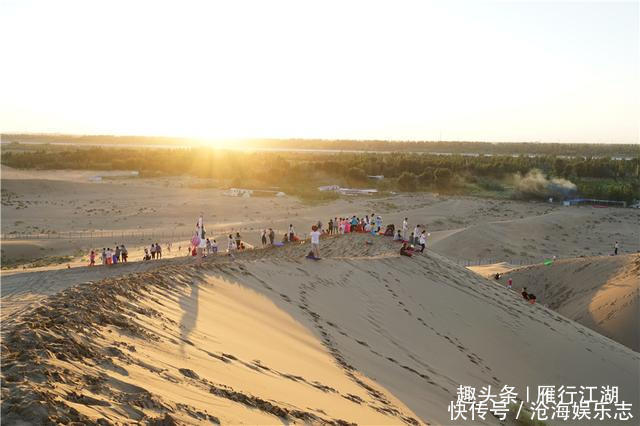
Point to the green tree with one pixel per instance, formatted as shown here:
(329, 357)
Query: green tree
(407, 181)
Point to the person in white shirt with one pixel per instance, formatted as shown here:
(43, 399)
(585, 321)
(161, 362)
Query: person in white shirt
(405, 228)
(423, 241)
(416, 235)
(231, 244)
(214, 247)
(291, 233)
(315, 241)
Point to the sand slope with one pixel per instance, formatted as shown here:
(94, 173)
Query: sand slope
(361, 336)
(602, 292)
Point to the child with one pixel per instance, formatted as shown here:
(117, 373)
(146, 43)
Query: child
(214, 247)
(92, 258)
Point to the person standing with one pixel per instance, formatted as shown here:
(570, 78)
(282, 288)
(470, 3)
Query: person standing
(405, 228)
(231, 244)
(616, 246)
(116, 254)
(238, 240)
(104, 256)
(208, 246)
(291, 232)
(158, 251)
(263, 237)
(509, 283)
(423, 241)
(201, 233)
(272, 236)
(315, 241)
(330, 225)
(124, 253)
(92, 258)
(416, 235)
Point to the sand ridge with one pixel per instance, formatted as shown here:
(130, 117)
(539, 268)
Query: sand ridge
(392, 337)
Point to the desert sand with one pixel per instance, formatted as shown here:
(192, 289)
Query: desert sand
(599, 292)
(269, 337)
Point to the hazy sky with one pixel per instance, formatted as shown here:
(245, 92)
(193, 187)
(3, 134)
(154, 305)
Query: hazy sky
(450, 70)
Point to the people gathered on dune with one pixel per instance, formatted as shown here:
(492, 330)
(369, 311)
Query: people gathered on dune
(200, 246)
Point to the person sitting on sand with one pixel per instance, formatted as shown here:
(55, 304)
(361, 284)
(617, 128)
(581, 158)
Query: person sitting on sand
(524, 293)
(147, 256)
(497, 276)
(405, 250)
(231, 244)
(238, 240)
(214, 247)
(532, 298)
(92, 258)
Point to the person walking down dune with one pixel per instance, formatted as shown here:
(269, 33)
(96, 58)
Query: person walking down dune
(315, 241)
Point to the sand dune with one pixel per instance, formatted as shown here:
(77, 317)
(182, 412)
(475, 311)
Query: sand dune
(564, 232)
(601, 293)
(362, 336)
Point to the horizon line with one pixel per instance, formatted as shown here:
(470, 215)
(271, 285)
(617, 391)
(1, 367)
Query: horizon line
(212, 139)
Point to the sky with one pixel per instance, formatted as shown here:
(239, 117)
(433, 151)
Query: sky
(399, 70)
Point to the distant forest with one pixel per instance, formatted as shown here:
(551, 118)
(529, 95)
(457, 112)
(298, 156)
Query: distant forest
(300, 173)
(452, 147)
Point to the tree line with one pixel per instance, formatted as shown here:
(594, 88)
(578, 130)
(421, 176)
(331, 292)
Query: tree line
(594, 177)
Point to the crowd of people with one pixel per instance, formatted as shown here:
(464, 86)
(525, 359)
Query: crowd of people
(201, 246)
(110, 256)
